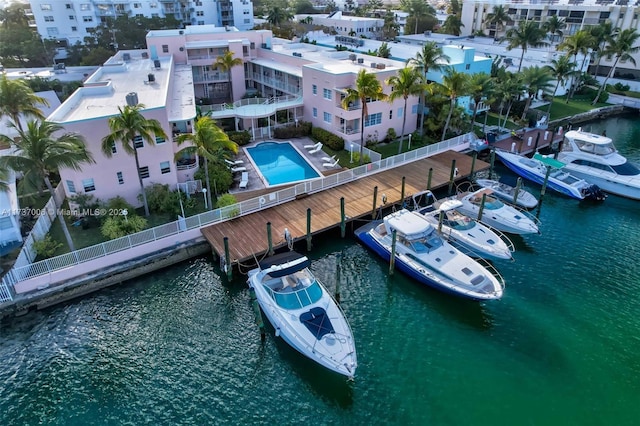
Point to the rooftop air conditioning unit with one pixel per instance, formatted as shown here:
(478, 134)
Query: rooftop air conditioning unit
(381, 66)
(427, 33)
(132, 99)
(156, 63)
(145, 55)
(374, 65)
(126, 57)
(181, 32)
(182, 49)
(361, 60)
(352, 57)
(151, 77)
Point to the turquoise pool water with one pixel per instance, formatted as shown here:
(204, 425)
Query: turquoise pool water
(279, 163)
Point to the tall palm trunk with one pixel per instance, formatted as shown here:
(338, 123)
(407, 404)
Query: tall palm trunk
(506, 117)
(475, 112)
(446, 125)
(422, 106)
(484, 125)
(362, 135)
(206, 176)
(230, 86)
(573, 79)
(552, 96)
(63, 224)
(604, 83)
(404, 121)
(144, 195)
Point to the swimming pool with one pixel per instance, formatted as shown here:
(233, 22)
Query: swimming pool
(280, 162)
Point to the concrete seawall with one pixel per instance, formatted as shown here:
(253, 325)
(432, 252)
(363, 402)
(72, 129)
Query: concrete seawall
(104, 278)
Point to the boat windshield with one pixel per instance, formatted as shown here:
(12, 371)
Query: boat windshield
(295, 291)
(457, 221)
(490, 203)
(597, 149)
(626, 169)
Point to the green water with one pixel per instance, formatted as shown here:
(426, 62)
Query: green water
(181, 347)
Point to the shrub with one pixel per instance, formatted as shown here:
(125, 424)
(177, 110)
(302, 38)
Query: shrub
(220, 177)
(332, 141)
(293, 131)
(619, 87)
(241, 138)
(162, 200)
(356, 158)
(46, 247)
(391, 135)
(119, 203)
(226, 200)
(119, 226)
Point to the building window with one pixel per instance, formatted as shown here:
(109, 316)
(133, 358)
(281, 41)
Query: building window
(74, 28)
(138, 142)
(200, 13)
(467, 67)
(198, 3)
(247, 21)
(72, 18)
(69, 6)
(160, 140)
(143, 172)
(71, 186)
(327, 117)
(52, 31)
(414, 109)
(373, 119)
(120, 178)
(314, 89)
(114, 150)
(88, 185)
(48, 19)
(165, 48)
(390, 114)
(165, 167)
(326, 93)
(200, 23)
(153, 5)
(137, 5)
(85, 6)
(45, 7)
(315, 112)
(400, 112)
(87, 19)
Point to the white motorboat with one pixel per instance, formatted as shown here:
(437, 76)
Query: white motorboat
(424, 255)
(507, 192)
(466, 234)
(495, 213)
(594, 158)
(303, 313)
(560, 180)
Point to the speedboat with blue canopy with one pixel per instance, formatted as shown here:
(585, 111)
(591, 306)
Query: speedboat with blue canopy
(424, 255)
(303, 313)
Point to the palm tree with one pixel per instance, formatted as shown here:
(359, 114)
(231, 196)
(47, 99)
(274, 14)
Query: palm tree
(577, 44)
(554, 27)
(499, 17)
(481, 87)
(508, 90)
(39, 153)
(279, 15)
(208, 139)
(417, 9)
(536, 79)
(225, 63)
(125, 128)
(452, 25)
(602, 34)
(561, 70)
(429, 58)
(407, 82)
(367, 87)
(621, 47)
(16, 97)
(455, 84)
(527, 34)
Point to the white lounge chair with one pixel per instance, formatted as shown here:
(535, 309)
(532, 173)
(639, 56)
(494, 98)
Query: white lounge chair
(329, 159)
(330, 165)
(234, 162)
(244, 180)
(238, 169)
(316, 149)
(314, 146)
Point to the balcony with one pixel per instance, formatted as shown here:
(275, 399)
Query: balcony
(187, 163)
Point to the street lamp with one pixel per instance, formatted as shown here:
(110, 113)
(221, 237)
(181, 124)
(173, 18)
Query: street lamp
(410, 134)
(125, 213)
(351, 149)
(204, 191)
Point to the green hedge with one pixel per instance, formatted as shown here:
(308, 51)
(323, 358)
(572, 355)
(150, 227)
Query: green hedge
(332, 141)
(293, 131)
(241, 138)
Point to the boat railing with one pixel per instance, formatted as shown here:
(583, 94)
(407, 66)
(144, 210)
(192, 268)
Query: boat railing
(492, 270)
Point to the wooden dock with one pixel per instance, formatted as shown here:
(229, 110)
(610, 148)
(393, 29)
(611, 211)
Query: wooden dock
(522, 145)
(247, 235)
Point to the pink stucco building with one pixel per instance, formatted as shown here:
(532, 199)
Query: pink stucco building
(175, 73)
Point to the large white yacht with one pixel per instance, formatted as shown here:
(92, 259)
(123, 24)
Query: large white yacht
(595, 159)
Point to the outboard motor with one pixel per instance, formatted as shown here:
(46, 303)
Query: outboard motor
(593, 192)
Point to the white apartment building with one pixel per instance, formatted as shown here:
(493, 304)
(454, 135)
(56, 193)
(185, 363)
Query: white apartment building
(69, 20)
(347, 25)
(578, 14)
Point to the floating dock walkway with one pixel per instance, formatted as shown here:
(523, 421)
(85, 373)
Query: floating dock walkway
(248, 237)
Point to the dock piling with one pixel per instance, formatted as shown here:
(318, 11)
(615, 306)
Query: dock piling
(375, 202)
(484, 200)
(429, 178)
(308, 229)
(343, 222)
(452, 175)
(269, 239)
(402, 192)
(227, 263)
(392, 260)
(474, 157)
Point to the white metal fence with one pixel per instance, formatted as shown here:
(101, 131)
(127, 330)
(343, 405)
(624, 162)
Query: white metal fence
(23, 271)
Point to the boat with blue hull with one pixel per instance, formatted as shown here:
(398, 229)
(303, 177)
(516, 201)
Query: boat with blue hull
(303, 313)
(424, 255)
(560, 180)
